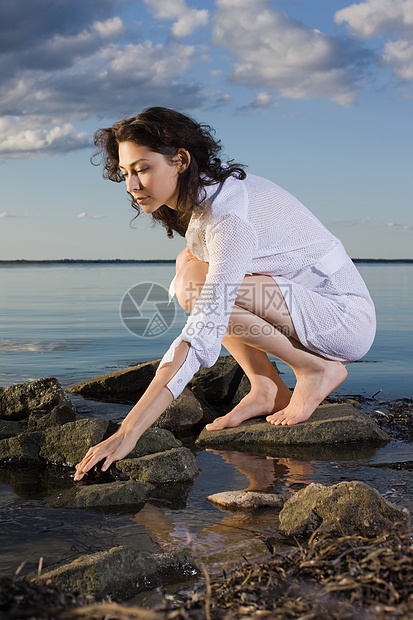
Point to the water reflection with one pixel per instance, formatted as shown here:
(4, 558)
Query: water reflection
(263, 472)
(230, 535)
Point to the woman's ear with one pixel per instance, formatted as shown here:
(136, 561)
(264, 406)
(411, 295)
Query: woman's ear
(182, 160)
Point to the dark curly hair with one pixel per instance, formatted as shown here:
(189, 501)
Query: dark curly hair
(164, 131)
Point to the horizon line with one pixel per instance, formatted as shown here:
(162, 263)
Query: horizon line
(155, 260)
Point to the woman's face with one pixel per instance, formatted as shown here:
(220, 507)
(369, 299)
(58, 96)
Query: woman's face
(150, 178)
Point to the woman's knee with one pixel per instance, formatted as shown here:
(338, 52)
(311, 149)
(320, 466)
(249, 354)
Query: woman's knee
(189, 282)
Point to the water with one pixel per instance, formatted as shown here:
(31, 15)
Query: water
(63, 321)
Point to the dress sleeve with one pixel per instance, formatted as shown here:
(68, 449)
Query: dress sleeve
(231, 244)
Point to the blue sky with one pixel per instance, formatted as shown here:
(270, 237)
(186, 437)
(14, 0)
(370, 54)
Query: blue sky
(317, 96)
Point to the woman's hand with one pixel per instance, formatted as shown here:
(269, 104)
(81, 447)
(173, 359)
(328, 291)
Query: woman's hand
(153, 402)
(114, 448)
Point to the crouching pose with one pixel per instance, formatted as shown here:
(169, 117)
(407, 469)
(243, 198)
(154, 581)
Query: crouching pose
(260, 275)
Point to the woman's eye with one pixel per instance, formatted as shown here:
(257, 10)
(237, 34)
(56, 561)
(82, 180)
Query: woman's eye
(141, 171)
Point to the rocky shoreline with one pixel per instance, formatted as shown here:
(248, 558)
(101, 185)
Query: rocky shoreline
(40, 428)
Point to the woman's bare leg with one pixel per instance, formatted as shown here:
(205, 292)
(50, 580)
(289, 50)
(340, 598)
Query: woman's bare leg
(316, 376)
(259, 297)
(268, 392)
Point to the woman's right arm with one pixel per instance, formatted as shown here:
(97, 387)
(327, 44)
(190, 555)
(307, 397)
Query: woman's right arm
(151, 405)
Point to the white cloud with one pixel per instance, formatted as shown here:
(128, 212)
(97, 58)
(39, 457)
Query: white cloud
(187, 19)
(399, 56)
(153, 63)
(276, 53)
(17, 140)
(60, 68)
(6, 214)
(113, 81)
(407, 227)
(373, 18)
(87, 216)
(110, 28)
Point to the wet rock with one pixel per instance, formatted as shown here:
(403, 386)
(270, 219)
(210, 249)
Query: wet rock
(57, 417)
(113, 496)
(184, 413)
(154, 440)
(172, 494)
(219, 383)
(68, 444)
(34, 401)
(176, 465)
(64, 445)
(126, 385)
(247, 500)
(344, 509)
(234, 554)
(121, 572)
(23, 448)
(329, 424)
(10, 428)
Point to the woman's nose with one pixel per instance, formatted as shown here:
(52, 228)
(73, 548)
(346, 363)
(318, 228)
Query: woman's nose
(132, 183)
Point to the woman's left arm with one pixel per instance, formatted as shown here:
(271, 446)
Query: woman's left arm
(148, 409)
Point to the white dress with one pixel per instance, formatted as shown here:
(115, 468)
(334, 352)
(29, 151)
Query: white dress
(254, 226)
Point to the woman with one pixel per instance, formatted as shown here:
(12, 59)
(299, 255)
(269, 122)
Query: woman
(260, 274)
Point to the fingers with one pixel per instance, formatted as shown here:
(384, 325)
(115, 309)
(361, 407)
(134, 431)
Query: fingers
(112, 449)
(93, 456)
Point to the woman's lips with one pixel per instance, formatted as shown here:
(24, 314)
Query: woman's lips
(141, 199)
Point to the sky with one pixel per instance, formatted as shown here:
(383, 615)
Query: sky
(316, 96)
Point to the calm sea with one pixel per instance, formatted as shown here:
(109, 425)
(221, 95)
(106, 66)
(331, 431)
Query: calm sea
(64, 320)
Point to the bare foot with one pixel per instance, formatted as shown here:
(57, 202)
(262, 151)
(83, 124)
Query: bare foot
(311, 389)
(261, 400)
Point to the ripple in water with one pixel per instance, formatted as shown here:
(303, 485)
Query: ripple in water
(36, 346)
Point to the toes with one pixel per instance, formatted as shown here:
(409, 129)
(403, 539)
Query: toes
(275, 418)
(211, 426)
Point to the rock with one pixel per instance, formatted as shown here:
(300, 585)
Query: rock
(9, 428)
(64, 445)
(33, 400)
(247, 500)
(57, 417)
(23, 448)
(329, 424)
(218, 383)
(126, 385)
(345, 509)
(154, 440)
(184, 413)
(121, 572)
(113, 495)
(176, 465)
(68, 444)
(215, 384)
(232, 555)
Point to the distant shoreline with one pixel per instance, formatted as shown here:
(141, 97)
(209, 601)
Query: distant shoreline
(126, 261)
